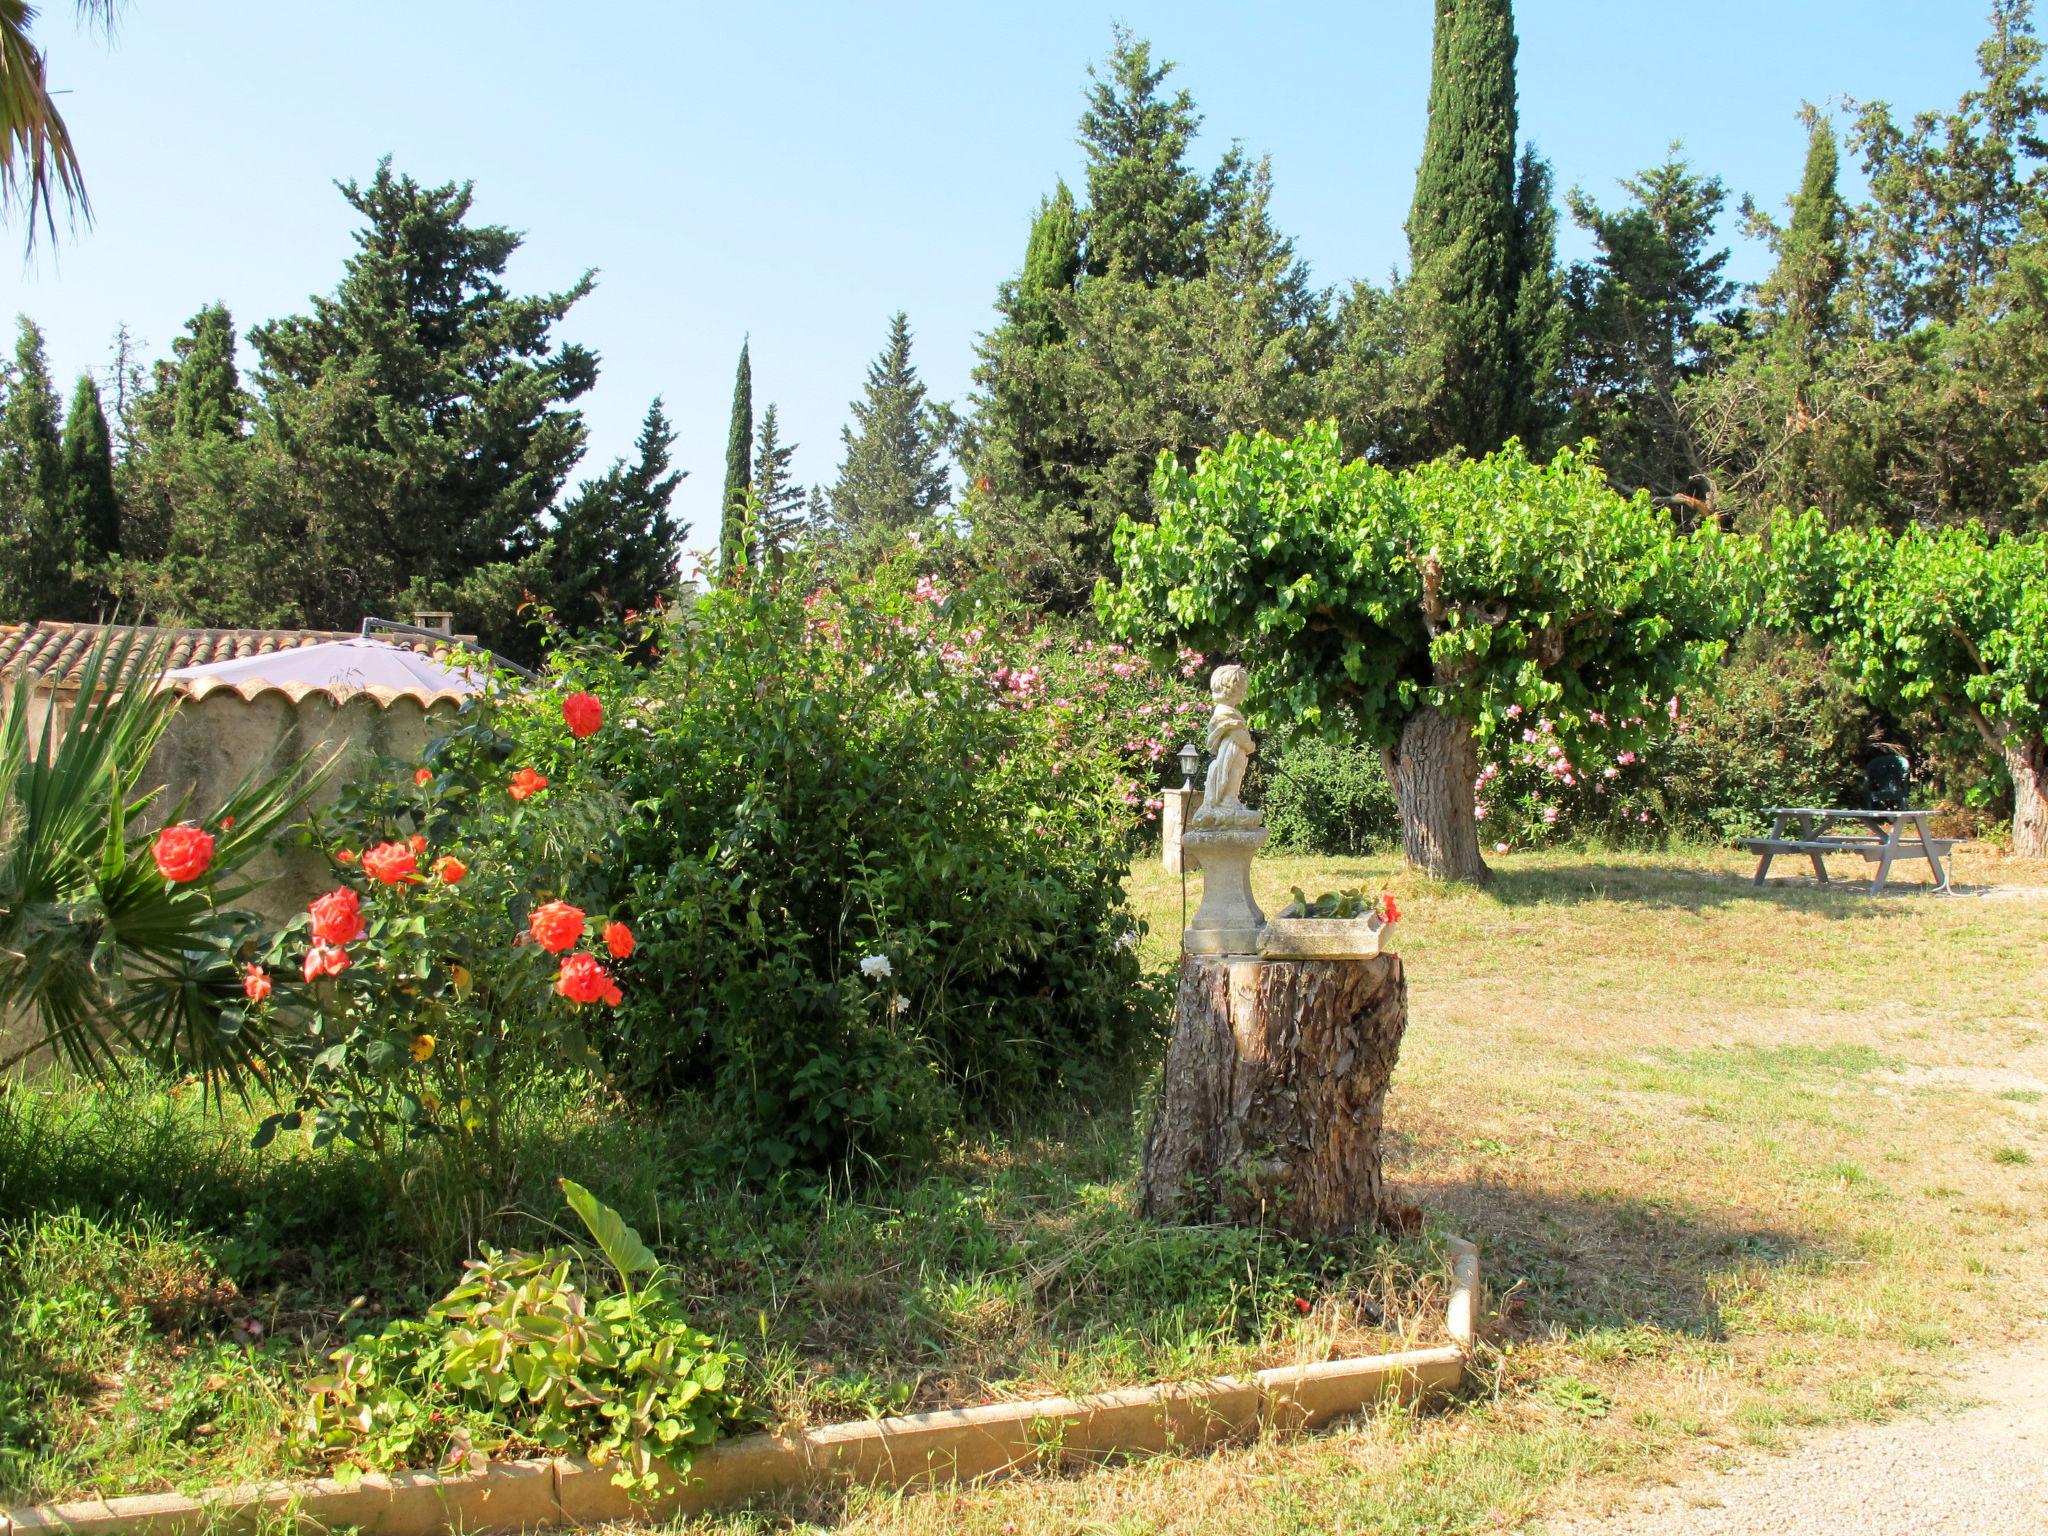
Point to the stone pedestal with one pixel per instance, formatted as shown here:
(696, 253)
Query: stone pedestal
(1177, 805)
(1228, 921)
(1276, 1084)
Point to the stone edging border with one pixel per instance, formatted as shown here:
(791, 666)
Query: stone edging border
(960, 1444)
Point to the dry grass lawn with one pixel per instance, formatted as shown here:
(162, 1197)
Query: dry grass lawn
(1740, 1162)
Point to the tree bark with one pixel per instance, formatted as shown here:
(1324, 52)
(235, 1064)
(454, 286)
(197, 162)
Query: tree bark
(2026, 759)
(1433, 769)
(1276, 1084)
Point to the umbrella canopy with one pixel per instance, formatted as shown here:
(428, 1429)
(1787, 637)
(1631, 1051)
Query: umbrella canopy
(337, 664)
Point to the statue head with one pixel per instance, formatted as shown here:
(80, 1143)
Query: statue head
(1228, 685)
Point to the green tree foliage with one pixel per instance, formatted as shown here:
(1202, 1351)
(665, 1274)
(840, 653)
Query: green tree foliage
(1463, 353)
(739, 470)
(616, 546)
(1641, 311)
(1414, 610)
(778, 503)
(39, 539)
(894, 476)
(208, 399)
(1947, 623)
(94, 507)
(1162, 316)
(424, 410)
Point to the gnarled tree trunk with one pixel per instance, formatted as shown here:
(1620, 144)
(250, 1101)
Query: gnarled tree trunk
(1276, 1083)
(1433, 769)
(2026, 759)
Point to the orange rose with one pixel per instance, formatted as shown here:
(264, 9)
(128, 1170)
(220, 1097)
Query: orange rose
(325, 960)
(345, 855)
(416, 843)
(183, 852)
(583, 980)
(422, 775)
(526, 782)
(337, 917)
(450, 869)
(255, 983)
(390, 863)
(556, 926)
(613, 996)
(582, 713)
(618, 938)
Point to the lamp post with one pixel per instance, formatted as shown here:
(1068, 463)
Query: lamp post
(1190, 757)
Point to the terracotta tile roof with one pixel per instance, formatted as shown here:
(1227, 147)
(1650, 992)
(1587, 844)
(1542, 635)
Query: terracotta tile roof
(56, 652)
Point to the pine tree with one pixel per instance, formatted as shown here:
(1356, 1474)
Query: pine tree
(38, 538)
(894, 474)
(95, 508)
(424, 413)
(1147, 210)
(778, 501)
(739, 470)
(1463, 246)
(616, 546)
(1642, 313)
(208, 398)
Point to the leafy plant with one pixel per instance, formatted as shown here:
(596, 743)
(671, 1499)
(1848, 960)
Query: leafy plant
(1338, 904)
(113, 938)
(519, 1356)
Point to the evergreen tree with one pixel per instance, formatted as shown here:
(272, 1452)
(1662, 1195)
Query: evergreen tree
(616, 546)
(38, 539)
(1642, 310)
(778, 501)
(1147, 210)
(1463, 249)
(894, 474)
(425, 415)
(1537, 327)
(208, 400)
(739, 469)
(95, 508)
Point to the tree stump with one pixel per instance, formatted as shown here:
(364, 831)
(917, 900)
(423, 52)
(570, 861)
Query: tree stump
(1276, 1083)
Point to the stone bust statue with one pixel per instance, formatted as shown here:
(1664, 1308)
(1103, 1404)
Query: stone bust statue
(1230, 744)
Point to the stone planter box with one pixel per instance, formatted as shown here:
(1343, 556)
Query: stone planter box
(1322, 938)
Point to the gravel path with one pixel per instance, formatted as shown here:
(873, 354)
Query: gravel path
(1979, 1472)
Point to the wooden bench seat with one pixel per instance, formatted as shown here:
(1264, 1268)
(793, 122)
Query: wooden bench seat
(1869, 848)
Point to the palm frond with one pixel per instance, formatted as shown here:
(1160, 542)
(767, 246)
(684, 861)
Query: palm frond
(38, 164)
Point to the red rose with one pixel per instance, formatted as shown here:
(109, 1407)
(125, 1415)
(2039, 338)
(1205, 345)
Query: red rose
(423, 775)
(1389, 913)
(183, 852)
(583, 980)
(450, 869)
(618, 938)
(556, 926)
(345, 855)
(325, 960)
(416, 843)
(390, 863)
(526, 782)
(613, 996)
(582, 713)
(226, 822)
(337, 917)
(255, 983)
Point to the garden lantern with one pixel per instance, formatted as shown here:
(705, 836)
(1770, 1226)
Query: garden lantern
(1190, 757)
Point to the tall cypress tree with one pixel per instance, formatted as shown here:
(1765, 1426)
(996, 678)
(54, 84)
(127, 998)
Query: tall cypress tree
(894, 474)
(95, 509)
(38, 539)
(616, 545)
(209, 400)
(778, 499)
(1463, 250)
(1147, 209)
(739, 470)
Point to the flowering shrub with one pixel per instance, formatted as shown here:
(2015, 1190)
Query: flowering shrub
(868, 848)
(1543, 779)
(426, 1003)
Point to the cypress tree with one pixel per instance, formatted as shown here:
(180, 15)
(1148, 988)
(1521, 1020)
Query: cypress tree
(894, 474)
(38, 539)
(209, 400)
(778, 500)
(616, 545)
(1462, 228)
(1537, 326)
(95, 509)
(1800, 293)
(1146, 208)
(739, 469)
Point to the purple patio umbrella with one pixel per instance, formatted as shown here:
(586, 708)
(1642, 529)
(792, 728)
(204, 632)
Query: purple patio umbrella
(338, 664)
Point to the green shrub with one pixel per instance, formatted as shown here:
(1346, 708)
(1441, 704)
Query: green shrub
(876, 885)
(1323, 797)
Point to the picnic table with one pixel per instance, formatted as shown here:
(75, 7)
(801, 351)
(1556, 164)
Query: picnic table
(1878, 837)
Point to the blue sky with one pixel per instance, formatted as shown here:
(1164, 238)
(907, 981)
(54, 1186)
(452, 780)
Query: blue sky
(799, 171)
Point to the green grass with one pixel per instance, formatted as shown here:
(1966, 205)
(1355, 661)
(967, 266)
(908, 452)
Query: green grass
(1741, 1163)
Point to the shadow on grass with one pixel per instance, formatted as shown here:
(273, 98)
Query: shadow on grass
(1689, 888)
(1603, 1260)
